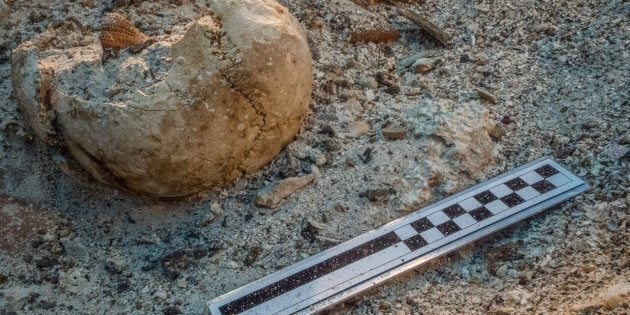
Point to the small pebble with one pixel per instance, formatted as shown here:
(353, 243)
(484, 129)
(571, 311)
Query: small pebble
(497, 132)
(393, 90)
(502, 271)
(369, 95)
(160, 295)
(375, 195)
(506, 120)
(75, 249)
(368, 83)
(252, 256)
(316, 156)
(395, 133)
(487, 96)
(46, 262)
(331, 145)
(327, 130)
(358, 128)
(354, 106)
(612, 225)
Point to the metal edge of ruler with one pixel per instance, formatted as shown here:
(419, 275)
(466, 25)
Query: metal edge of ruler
(445, 248)
(450, 247)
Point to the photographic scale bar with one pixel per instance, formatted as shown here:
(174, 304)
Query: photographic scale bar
(345, 270)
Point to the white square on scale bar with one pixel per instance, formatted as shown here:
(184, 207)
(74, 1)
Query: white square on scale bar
(531, 178)
(432, 235)
(558, 180)
(406, 232)
(464, 221)
(438, 218)
(528, 193)
(501, 191)
(496, 206)
(470, 204)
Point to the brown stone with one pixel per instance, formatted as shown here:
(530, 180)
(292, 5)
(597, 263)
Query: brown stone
(395, 133)
(358, 128)
(273, 195)
(487, 96)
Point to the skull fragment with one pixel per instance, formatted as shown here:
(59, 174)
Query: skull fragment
(191, 110)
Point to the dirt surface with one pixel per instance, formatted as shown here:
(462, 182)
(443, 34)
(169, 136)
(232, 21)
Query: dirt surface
(381, 140)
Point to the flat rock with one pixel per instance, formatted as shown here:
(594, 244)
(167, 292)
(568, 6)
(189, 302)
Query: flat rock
(358, 128)
(395, 133)
(368, 83)
(272, 195)
(75, 249)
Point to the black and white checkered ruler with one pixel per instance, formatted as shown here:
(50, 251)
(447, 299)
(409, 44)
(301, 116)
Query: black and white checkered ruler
(360, 263)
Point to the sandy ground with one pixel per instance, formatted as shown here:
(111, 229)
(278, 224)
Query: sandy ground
(559, 71)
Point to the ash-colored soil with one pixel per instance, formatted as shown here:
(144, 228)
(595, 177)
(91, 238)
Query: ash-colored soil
(561, 77)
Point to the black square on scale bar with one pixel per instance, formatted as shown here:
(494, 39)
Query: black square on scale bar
(485, 197)
(543, 186)
(516, 184)
(512, 200)
(448, 227)
(454, 211)
(480, 213)
(422, 225)
(415, 242)
(546, 171)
